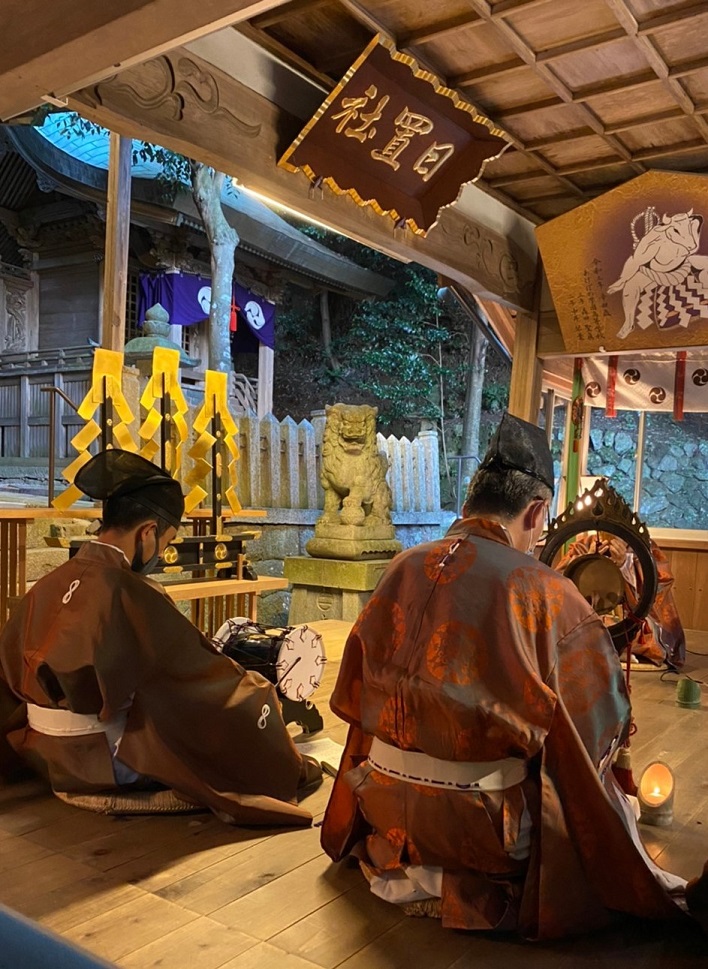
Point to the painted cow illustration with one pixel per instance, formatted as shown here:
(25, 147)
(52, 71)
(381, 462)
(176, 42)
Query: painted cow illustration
(663, 257)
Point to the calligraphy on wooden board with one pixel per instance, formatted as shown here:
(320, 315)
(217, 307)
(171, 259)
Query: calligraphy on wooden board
(629, 270)
(393, 137)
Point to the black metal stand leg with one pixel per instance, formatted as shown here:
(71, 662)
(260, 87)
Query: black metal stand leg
(297, 711)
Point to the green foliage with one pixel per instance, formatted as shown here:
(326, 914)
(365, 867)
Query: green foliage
(495, 396)
(400, 352)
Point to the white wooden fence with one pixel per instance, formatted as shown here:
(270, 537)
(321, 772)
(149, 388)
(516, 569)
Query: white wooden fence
(280, 465)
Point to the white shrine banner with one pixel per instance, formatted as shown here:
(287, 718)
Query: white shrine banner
(673, 382)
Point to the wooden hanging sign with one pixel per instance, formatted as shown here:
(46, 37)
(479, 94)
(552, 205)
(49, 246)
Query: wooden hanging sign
(629, 270)
(395, 138)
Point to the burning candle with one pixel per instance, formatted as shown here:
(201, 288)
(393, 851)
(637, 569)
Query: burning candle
(656, 795)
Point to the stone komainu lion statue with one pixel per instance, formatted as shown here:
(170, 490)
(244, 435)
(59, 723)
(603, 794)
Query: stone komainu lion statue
(353, 470)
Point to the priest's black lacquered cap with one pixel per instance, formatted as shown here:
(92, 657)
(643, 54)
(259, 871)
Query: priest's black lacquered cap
(520, 446)
(115, 474)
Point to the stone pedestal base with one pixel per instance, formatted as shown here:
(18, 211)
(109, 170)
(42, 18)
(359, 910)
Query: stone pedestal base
(330, 588)
(353, 542)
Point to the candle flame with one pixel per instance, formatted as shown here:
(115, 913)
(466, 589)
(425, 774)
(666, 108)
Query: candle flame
(657, 791)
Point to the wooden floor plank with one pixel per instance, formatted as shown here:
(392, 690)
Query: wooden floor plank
(413, 942)
(205, 845)
(115, 934)
(30, 813)
(266, 956)
(40, 876)
(69, 906)
(133, 838)
(236, 876)
(295, 895)
(339, 929)
(201, 944)
(15, 852)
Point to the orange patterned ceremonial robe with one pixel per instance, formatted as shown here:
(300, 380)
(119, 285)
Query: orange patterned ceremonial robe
(471, 651)
(95, 638)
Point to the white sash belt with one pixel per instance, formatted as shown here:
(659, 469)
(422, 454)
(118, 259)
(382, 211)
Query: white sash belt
(64, 723)
(460, 775)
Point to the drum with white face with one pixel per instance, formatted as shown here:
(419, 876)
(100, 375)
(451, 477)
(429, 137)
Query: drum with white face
(301, 662)
(293, 658)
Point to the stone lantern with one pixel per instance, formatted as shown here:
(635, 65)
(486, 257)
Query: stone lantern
(156, 333)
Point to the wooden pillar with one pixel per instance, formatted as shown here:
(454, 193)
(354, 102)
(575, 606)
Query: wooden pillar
(526, 370)
(549, 407)
(115, 271)
(265, 379)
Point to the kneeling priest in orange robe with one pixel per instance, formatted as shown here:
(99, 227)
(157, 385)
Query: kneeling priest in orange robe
(486, 703)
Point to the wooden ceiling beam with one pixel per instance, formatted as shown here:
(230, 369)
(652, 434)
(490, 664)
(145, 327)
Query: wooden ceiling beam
(289, 9)
(549, 76)
(438, 29)
(503, 181)
(575, 134)
(559, 138)
(670, 114)
(512, 66)
(528, 107)
(286, 55)
(590, 42)
(669, 76)
(42, 53)
(589, 166)
(505, 8)
(680, 148)
(642, 155)
(376, 26)
(613, 85)
(649, 25)
(560, 196)
(684, 68)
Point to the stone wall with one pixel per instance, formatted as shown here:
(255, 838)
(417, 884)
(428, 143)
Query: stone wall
(675, 469)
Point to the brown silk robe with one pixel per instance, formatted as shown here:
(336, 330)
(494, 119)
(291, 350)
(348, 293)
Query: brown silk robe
(469, 650)
(91, 635)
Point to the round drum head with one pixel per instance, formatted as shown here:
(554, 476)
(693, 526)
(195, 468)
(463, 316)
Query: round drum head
(301, 662)
(598, 580)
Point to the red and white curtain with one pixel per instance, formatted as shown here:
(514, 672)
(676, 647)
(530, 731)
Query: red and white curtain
(661, 381)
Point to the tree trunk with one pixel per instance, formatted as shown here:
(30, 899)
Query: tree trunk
(223, 239)
(473, 404)
(327, 330)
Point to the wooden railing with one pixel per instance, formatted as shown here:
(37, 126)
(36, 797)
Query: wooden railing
(281, 460)
(243, 390)
(25, 416)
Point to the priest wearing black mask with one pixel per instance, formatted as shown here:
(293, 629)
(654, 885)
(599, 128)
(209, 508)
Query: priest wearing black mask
(110, 688)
